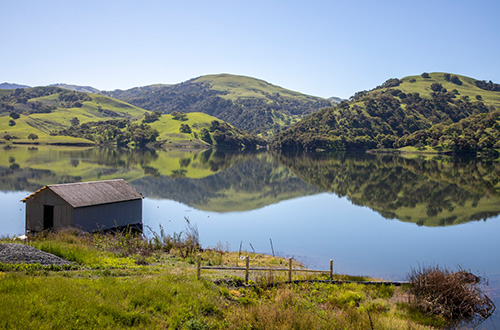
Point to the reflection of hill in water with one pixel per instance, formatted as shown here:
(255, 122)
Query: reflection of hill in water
(435, 192)
(250, 184)
(432, 192)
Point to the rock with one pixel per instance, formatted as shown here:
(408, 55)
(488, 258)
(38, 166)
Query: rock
(25, 254)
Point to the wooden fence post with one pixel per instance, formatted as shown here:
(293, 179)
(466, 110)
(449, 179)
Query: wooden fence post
(198, 266)
(331, 269)
(247, 266)
(290, 270)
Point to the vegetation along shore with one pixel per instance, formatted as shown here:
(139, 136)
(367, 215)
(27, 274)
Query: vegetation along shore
(123, 280)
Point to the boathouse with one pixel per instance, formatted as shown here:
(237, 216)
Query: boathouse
(90, 206)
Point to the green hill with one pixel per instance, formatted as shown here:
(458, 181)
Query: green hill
(44, 111)
(387, 115)
(54, 115)
(246, 103)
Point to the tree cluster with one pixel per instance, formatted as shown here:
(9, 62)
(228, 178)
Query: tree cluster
(489, 86)
(150, 117)
(119, 131)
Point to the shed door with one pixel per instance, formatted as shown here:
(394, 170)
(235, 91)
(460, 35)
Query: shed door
(48, 217)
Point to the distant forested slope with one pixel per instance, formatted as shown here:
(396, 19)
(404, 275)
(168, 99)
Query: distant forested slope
(396, 113)
(246, 103)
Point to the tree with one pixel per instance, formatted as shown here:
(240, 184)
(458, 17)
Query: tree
(447, 76)
(74, 121)
(185, 129)
(14, 115)
(436, 87)
(456, 80)
(33, 136)
(12, 122)
(205, 136)
(425, 75)
(151, 117)
(179, 115)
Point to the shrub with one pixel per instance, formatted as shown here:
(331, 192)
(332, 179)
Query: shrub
(454, 295)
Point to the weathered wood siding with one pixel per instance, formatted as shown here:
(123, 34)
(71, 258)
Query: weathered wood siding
(108, 216)
(63, 212)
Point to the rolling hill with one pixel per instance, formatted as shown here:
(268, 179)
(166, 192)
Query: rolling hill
(55, 115)
(44, 111)
(246, 103)
(390, 115)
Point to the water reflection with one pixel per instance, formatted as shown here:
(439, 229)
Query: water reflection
(436, 191)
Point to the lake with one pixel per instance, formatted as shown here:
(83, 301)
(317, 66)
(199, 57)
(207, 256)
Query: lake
(375, 215)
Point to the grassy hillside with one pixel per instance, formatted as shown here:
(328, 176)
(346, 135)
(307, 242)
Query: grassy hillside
(44, 111)
(58, 116)
(197, 132)
(385, 116)
(246, 103)
(242, 87)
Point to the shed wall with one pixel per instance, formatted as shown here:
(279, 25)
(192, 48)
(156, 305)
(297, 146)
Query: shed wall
(63, 212)
(108, 216)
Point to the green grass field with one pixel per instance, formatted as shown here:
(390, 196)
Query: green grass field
(247, 87)
(122, 281)
(468, 87)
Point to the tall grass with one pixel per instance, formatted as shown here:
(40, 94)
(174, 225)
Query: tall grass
(112, 291)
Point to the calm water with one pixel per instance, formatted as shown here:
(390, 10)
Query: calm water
(373, 215)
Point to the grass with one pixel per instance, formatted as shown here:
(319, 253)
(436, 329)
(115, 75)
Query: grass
(241, 87)
(42, 124)
(122, 281)
(169, 128)
(468, 87)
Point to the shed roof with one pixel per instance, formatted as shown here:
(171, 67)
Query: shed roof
(92, 193)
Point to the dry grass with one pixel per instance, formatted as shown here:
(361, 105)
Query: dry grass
(457, 296)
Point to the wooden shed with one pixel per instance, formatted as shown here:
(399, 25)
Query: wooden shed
(90, 206)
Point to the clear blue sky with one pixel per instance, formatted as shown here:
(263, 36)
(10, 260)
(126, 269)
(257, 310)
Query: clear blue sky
(323, 48)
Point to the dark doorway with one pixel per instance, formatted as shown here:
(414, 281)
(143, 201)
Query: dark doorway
(48, 217)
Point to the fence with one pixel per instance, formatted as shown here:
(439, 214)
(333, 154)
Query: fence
(247, 269)
(290, 270)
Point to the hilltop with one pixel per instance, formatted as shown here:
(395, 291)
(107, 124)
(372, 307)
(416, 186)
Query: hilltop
(246, 103)
(85, 89)
(396, 113)
(7, 85)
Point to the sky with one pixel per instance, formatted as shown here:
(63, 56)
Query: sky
(321, 48)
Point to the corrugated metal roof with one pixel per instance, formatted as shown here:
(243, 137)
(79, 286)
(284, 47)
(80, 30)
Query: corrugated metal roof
(93, 193)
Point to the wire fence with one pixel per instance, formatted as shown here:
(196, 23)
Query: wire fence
(290, 270)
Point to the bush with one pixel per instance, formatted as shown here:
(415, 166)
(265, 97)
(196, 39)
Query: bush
(32, 136)
(436, 87)
(456, 80)
(454, 295)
